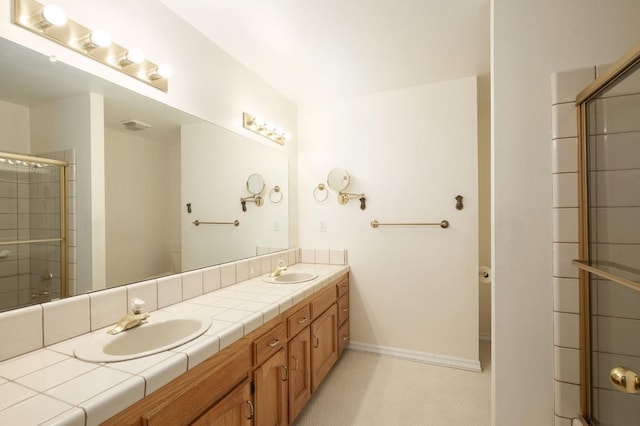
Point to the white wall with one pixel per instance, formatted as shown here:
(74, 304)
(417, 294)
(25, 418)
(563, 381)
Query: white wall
(207, 83)
(77, 123)
(14, 128)
(411, 152)
(531, 40)
(137, 233)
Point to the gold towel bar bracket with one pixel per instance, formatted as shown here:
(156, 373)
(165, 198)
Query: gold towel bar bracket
(444, 224)
(234, 223)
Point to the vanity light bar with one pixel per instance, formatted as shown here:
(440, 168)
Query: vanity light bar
(265, 128)
(51, 22)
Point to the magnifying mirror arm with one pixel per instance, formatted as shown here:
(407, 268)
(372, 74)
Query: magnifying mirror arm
(253, 199)
(344, 198)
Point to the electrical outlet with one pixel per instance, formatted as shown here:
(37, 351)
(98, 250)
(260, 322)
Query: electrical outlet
(323, 226)
(276, 225)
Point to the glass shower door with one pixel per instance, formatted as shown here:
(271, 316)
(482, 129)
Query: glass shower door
(612, 226)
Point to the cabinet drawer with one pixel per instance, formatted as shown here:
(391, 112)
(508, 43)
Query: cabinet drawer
(343, 337)
(268, 344)
(322, 302)
(342, 287)
(298, 320)
(343, 309)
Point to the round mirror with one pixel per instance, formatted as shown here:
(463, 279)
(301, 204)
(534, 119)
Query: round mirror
(338, 179)
(255, 184)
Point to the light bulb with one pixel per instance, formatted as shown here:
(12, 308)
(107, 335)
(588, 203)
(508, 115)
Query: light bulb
(287, 136)
(133, 56)
(270, 127)
(98, 38)
(259, 121)
(54, 15)
(279, 131)
(161, 71)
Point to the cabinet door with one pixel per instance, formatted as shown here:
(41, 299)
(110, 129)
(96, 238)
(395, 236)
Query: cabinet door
(271, 391)
(324, 345)
(299, 372)
(235, 409)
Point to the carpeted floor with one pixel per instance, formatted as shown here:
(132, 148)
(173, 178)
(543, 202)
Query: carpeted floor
(368, 390)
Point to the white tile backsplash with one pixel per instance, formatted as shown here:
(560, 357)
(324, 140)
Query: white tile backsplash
(107, 306)
(322, 256)
(227, 274)
(23, 328)
(147, 291)
(564, 121)
(66, 318)
(169, 290)
(243, 272)
(211, 279)
(192, 284)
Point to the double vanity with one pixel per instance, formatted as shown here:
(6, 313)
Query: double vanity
(247, 353)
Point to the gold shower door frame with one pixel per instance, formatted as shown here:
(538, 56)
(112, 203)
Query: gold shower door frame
(603, 82)
(62, 165)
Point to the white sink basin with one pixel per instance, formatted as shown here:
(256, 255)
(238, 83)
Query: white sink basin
(160, 333)
(290, 278)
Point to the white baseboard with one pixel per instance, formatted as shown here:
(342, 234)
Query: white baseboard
(425, 357)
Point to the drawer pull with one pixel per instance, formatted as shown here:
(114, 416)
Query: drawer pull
(273, 344)
(317, 343)
(345, 338)
(285, 370)
(345, 309)
(251, 410)
(302, 320)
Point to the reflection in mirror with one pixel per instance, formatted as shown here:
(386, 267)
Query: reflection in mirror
(131, 188)
(338, 179)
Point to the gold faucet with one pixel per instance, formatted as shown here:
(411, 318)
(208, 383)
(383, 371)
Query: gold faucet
(281, 267)
(132, 319)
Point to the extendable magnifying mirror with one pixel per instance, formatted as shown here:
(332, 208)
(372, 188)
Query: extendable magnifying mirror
(255, 185)
(339, 180)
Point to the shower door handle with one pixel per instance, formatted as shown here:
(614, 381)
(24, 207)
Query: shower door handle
(625, 380)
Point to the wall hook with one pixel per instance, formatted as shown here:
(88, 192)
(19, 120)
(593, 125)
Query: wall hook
(459, 205)
(188, 207)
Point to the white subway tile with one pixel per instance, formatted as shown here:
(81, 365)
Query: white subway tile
(266, 264)
(617, 115)
(565, 85)
(567, 399)
(322, 256)
(566, 295)
(23, 328)
(616, 225)
(564, 121)
(618, 336)
(192, 284)
(567, 365)
(255, 267)
(565, 155)
(616, 300)
(617, 408)
(66, 318)
(211, 279)
(107, 306)
(227, 274)
(616, 188)
(169, 290)
(337, 257)
(619, 151)
(147, 291)
(563, 255)
(565, 190)
(307, 256)
(565, 225)
(605, 362)
(566, 330)
(242, 271)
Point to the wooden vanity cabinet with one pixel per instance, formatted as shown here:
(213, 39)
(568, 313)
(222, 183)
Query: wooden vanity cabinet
(270, 383)
(235, 409)
(324, 345)
(299, 372)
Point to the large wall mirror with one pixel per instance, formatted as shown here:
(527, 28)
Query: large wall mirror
(135, 192)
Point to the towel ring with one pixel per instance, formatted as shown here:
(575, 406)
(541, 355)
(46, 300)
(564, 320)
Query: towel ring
(318, 191)
(275, 195)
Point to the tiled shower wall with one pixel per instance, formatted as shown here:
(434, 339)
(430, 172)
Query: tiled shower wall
(30, 209)
(616, 310)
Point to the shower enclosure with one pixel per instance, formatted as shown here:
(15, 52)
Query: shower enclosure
(33, 243)
(609, 264)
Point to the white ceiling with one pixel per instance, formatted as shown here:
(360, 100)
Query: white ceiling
(315, 50)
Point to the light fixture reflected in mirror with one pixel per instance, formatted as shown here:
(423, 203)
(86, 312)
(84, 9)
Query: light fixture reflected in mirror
(161, 71)
(265, 128)
(132, 56)
(98, 38)
(51, 15)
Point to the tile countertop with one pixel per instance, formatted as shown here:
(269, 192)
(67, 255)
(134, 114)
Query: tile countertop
(51, 387)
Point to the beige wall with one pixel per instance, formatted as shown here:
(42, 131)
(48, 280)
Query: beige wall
(411, 151)
(531, 40)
